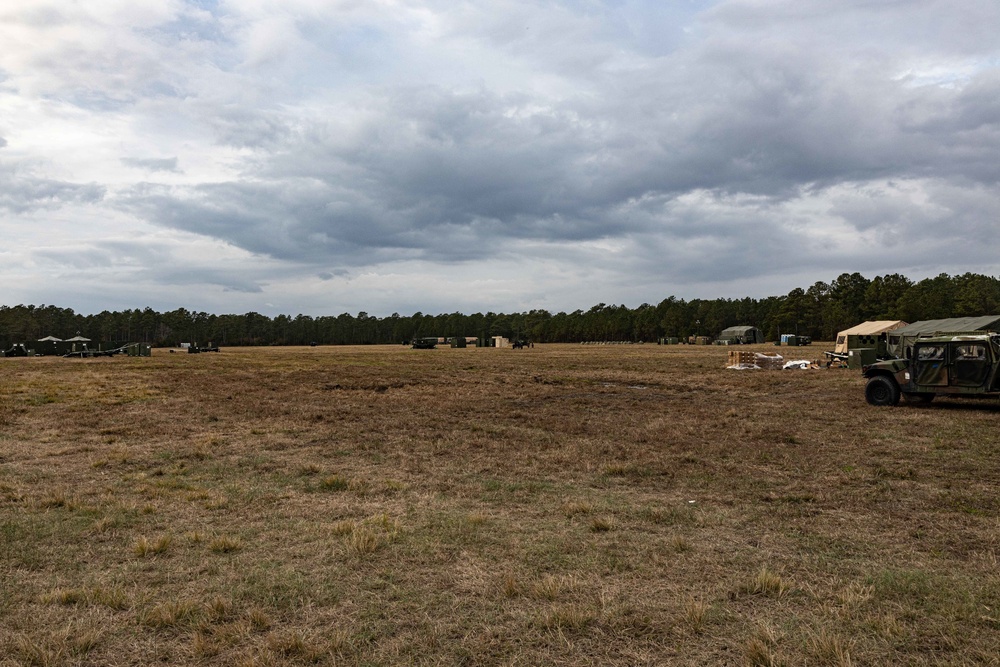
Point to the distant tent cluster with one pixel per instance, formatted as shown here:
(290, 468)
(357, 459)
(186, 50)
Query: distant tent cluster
(51, 345)
(77, 346)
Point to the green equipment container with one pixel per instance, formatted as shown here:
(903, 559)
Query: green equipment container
(865, 356)
(875, 342)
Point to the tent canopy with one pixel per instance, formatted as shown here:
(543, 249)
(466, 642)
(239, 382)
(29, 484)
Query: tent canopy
(951, 325)
(744, 333)
(900, 338)
(871, 328)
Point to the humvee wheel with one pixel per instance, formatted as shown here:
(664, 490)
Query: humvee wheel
(911, 397)
(882, 390)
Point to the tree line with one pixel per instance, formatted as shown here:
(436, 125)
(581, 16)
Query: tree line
(819, 311)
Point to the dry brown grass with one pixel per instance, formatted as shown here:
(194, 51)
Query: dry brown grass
(560, 505)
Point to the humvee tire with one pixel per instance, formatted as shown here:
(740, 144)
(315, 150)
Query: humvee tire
(882, 390)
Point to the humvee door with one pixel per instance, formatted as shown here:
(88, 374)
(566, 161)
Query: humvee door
(970, 366)
(929, 369)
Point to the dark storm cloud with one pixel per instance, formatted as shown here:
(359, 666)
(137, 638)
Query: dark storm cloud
(435, 174)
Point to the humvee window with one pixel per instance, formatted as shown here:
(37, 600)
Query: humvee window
(974, 352)
(930, 353)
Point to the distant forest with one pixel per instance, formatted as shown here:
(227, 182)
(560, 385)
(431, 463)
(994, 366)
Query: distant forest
(819, 311)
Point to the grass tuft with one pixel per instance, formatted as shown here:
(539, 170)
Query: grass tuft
(696, 614)
(576, 507)
(334, 483)
(172, 614)
(364, 541)
(511, 586)
(31, 651)
(855, 595)
(146, 547)
(225, 544)
(767, 583)
(297, 645)
(113, 598)
(343, 527)
(106, 524)
(568, 617)
(64, 596)
(757, 653)
(552, 587)
(830, 648)
(680, 544)
(258, 619)
(601, 524)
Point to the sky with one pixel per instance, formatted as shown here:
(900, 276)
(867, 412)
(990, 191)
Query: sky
(322, 156)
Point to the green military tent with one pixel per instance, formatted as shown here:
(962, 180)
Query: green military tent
(866, 330)
(902, 338)
(741, 335)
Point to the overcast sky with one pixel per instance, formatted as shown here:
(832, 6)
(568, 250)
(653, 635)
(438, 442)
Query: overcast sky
(320, 157)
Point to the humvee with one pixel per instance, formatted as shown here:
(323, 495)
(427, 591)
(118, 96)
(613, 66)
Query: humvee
(955, 365)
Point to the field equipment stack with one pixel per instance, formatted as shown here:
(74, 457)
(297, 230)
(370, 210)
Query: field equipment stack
(741, 358)
(748, 359)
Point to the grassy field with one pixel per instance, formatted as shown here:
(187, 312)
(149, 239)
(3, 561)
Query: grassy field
(562, 505)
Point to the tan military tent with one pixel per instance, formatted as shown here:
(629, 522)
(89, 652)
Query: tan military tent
(873, 328)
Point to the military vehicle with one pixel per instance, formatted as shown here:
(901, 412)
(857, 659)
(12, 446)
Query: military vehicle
(948, 365)
(428, 343)
(16, 350)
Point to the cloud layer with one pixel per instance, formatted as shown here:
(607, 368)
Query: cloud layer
(306, 156)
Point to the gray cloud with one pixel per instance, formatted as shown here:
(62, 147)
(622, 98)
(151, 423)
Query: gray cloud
(454, 177)
(227, 280)
(152, 164)
(140, 263)
(22, 192)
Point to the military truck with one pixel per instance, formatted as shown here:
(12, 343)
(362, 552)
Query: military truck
(949, 365)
